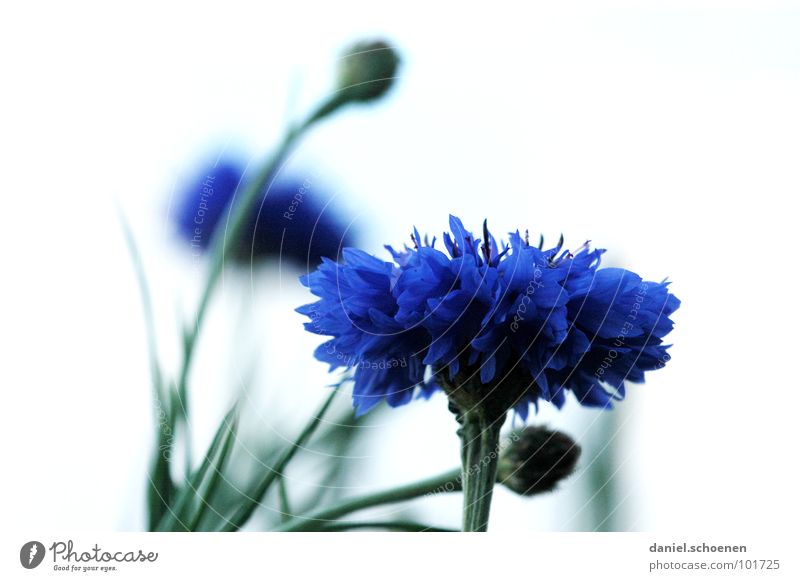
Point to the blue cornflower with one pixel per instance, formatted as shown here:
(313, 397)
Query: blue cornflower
(291, 220)
(499, 328)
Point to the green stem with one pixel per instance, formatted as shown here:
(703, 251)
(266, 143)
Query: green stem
(283, 498)
(406, 526)
(239, 214)
(480, 439)
(447, 482)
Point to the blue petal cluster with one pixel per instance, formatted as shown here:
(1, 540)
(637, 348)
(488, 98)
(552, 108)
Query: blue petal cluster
(546, 320)
(291, 220)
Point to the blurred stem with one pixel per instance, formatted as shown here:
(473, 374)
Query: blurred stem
(480, 438)
(283, 497)
(602, 473)
(252, 501)
(321, 519)
(239, 213)
(341, 434)
(406, 526)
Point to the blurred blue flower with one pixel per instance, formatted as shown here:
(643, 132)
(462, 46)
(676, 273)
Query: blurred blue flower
(292, 220)
(521, 323)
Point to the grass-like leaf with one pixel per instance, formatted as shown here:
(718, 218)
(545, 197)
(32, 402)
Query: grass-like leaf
(183, 515)
(160, 488)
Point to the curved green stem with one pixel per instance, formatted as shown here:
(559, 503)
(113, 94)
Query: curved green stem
(447, 482)
(239, 214)
(405, 526)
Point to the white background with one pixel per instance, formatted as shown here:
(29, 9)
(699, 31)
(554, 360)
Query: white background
(666, 132)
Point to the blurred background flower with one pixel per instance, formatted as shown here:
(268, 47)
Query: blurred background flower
(294, 219)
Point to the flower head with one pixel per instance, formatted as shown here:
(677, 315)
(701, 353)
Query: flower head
(291, 221)
(491, 326)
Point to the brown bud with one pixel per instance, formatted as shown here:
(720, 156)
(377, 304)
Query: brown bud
(537, 460)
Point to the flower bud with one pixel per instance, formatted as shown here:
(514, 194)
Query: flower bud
(366, 71)
(537, 460)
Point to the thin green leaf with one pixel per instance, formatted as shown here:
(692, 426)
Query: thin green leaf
(147, 307)
(283, 498)
(161, 488)
(210, 485)
(177, 513)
